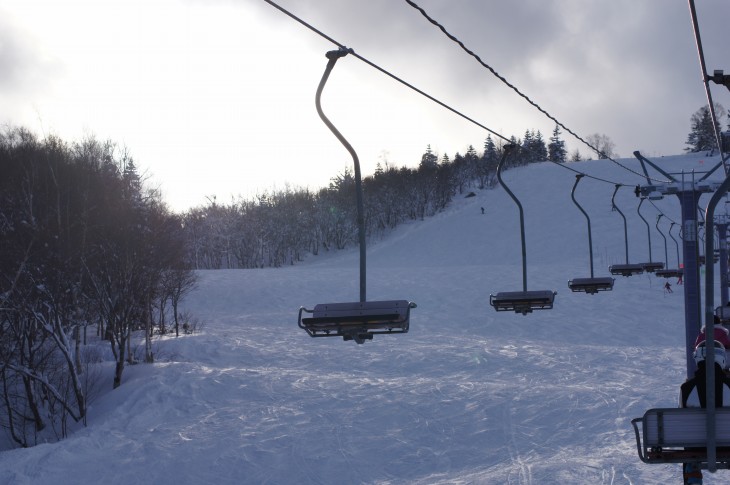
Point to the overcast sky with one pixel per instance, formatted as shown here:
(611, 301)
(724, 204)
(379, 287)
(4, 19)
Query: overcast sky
(216, 98)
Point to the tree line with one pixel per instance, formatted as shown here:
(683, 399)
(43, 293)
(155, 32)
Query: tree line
(86, 253)
(280, 228)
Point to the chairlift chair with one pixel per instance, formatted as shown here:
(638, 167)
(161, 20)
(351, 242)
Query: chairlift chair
(679, 435)
(593, 284)
(357, 321)
(361, 320)
(669, 273)
(625, 269)
(524, 301)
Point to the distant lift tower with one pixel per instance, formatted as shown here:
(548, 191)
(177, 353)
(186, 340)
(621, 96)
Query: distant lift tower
(689, 188)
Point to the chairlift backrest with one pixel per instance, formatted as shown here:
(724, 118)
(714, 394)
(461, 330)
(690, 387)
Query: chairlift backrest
(666, 433)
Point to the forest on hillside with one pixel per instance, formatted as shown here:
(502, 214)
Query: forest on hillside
(89, 252)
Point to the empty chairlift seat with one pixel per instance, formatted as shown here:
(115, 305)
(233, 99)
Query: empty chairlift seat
(627, 269)
(522, 301)
(652, 267)
(591, 285)
(679, 435)
(669, 273)
(357, 321)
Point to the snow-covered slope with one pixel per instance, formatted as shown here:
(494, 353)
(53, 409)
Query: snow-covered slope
(469, 395)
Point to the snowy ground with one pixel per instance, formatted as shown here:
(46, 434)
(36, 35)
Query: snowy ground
(469, 395)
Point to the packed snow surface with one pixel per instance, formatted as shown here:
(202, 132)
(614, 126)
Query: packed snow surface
(469, 395)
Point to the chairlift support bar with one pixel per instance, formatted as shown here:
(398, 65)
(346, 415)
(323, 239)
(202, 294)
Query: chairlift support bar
(506, 151)
(666, 251)
(626, 269)
(651, 266)
(360, 320)
(590, 285)
(672, 273)
(332, 57)
(519, 301)
(676, 243)
(666, 272)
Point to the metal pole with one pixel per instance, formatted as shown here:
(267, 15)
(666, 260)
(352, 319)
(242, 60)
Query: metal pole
(676, 243)
(505, 152)
(710, 324)
(626, 230)
(692, 312)
(722, 234)
(590, 239)
(666, 253)
(648, 229)
(333, 56)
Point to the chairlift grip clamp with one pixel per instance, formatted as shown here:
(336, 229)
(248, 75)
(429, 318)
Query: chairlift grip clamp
(341, 52)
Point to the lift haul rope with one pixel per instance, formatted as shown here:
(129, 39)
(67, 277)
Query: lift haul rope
(520, 93)
(446, 106)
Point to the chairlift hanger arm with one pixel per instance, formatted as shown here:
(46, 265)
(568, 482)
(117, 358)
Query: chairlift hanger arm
(332, 57)
(506, 151)
(578, 177)
(626, 229)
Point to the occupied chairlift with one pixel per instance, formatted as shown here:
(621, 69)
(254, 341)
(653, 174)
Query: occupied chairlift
(519, 301)
(360, 320)
(627, 269)
(652, 265)
(668, 272)
(683, 435)
(590, 285)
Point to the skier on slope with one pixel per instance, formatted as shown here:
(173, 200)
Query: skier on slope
(692, 394)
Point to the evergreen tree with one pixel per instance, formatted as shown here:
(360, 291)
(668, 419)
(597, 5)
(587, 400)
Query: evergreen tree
(490, 150)
(539, 149)
(702, 134)
(429, 160)
(556, 149)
